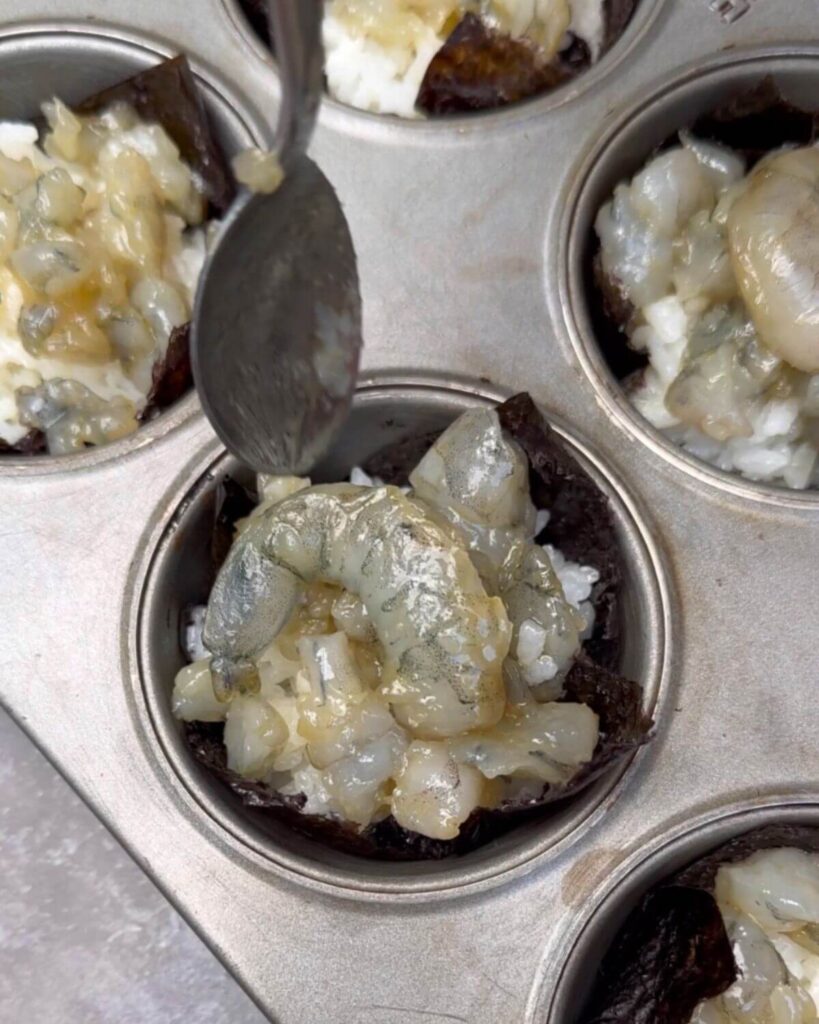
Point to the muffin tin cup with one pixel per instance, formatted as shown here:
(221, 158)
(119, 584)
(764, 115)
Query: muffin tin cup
(623, 149)
(640, 23)
(38, 64)
(669, 853)
(463, 232)
(177, 578)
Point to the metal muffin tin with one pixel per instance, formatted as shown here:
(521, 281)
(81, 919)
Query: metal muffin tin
(469, 234)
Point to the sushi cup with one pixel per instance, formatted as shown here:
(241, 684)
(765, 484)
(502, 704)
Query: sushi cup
(625, 23)
(595, 325)
(180, 574)
(688, 854)
(82, 68)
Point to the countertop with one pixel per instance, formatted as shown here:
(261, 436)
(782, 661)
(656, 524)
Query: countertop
(85, 938)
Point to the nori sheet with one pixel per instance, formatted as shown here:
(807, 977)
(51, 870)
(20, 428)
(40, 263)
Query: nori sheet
(580, 520)
(32, 443)
(673, 951)
(172, 376)
(560, 483)
(757, 121)
(752, 123)
(165, 94)
(233, 502)
(479, 68)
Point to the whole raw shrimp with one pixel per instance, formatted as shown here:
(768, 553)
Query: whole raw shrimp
(443, 638)
(478, 479)
(773, 230)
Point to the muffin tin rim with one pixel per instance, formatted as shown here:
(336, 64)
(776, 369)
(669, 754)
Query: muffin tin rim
(403, 950)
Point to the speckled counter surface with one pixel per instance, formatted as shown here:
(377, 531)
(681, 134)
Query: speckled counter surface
(85, 938)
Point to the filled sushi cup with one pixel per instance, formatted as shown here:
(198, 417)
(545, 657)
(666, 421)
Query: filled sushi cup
(717, 926)
(114, 171)
(462, 672)
(689, 291)
(416, 61)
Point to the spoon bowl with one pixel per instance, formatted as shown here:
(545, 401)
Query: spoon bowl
(278, 325)
(276, 334)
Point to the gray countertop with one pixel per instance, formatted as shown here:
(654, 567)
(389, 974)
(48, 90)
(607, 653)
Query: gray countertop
(85, 938)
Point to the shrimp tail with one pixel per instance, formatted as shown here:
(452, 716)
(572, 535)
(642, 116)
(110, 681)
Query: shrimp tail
(251, 601)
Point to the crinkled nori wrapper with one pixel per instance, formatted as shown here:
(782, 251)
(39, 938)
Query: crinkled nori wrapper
(581, 524)
(673, 951)
(752, 123)
(165, 94)
(479, 68)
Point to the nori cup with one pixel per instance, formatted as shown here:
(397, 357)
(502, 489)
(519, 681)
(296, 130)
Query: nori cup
(752, 123)
(673, 951)
(581, 525)
(478, 68)
(164, 94)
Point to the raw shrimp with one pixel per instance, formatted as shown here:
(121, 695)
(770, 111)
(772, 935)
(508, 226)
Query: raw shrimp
(773, 230)
(444, 639)
(433, 794)
(546, 628)
(778, 888)
(540, 741)
(769, 902)
(479, 480)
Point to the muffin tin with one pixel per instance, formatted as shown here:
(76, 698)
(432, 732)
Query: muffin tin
(469, 235)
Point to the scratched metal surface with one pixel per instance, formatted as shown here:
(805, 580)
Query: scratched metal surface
(467, 234)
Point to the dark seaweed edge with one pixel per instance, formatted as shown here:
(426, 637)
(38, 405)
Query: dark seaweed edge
(255, 11)
(672, 952)
(479, 68)
(758, 113)
(165, 93)
(560, 483)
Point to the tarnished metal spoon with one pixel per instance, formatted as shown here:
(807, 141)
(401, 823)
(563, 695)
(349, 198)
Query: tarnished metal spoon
(277, 321)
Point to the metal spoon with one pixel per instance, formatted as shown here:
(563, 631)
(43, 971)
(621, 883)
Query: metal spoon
(277, 321)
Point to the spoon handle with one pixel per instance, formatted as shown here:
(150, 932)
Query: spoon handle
(297, 33)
